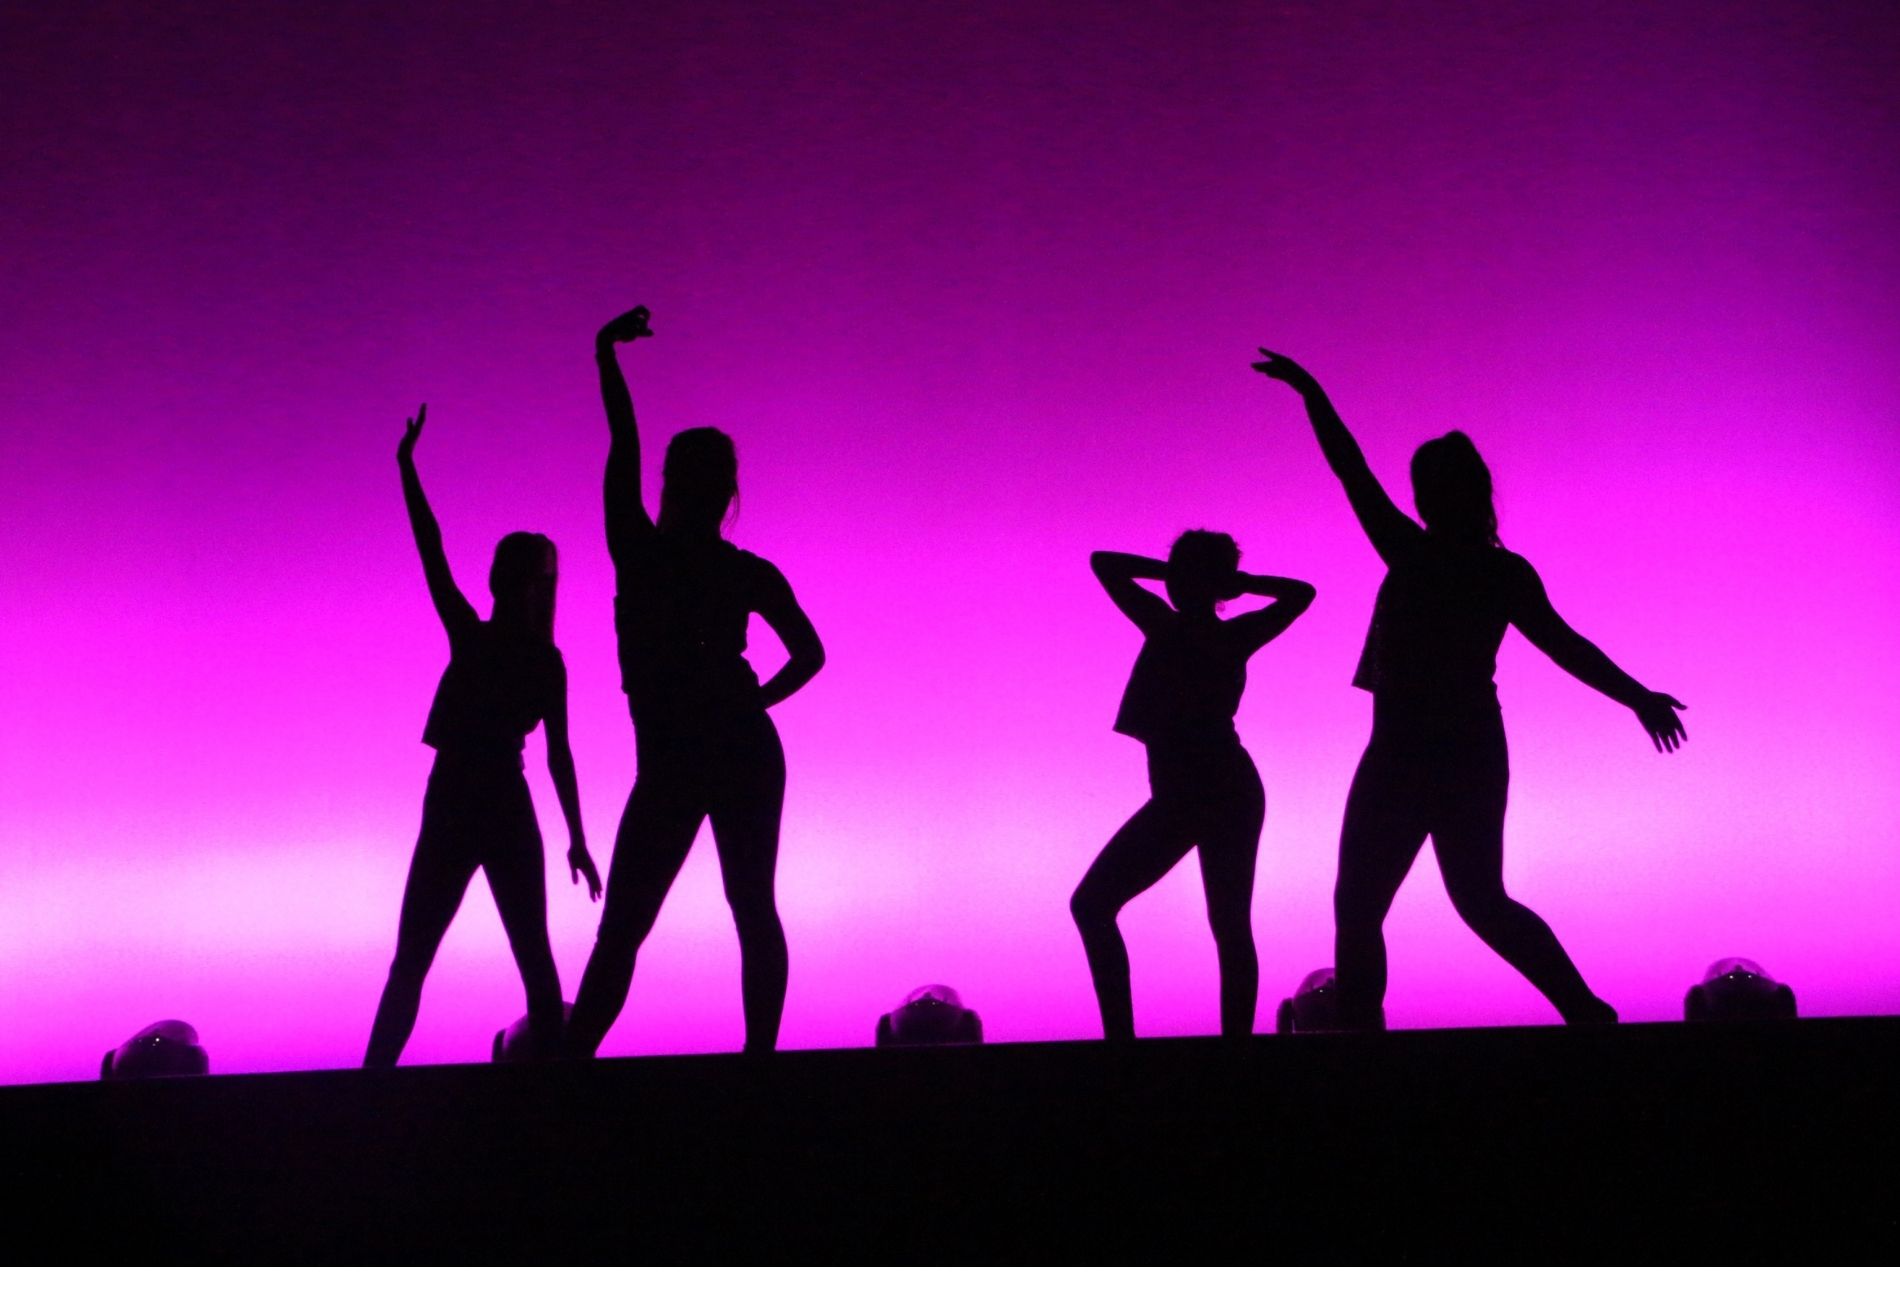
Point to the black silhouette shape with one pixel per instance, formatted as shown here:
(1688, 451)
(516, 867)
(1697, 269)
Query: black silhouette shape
(706, 748)
(1205, 791)
(520, 1041)
(1436, 764)
(504, 677)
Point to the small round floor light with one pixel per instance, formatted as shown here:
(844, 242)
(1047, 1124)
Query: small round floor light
(1313, 1008)
(932, 1016)
(1736, 988)
(163, 1049)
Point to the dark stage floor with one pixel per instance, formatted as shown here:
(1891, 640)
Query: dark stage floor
(1768, 1142)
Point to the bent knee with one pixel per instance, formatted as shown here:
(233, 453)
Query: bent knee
(1082, 907)
(1093, 909)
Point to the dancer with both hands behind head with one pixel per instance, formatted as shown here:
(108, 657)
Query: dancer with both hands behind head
(1205, 792)
(504, 677)
(706, 748)
(1436, 764)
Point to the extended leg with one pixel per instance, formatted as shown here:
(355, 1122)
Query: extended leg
(1383, 831)
(438, 876)
(1141, 852)
(656, 831)
(1469, 842)
(745, 820)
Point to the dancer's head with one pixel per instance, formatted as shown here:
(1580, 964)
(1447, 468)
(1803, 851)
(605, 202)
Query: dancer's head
(1452, 487)
(1201, 569)
(700, 481)
(522, 580)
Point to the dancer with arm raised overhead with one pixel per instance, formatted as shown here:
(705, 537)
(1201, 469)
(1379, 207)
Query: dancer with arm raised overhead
(504, 677)
(1205, 792)
(1436, 764)
(706, 748)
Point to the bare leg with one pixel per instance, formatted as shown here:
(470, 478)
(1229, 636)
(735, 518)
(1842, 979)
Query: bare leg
(517, 877)
(1469, 842)
(439, 873)
(1141, 852)
(1383, 832)
(656, 831)
(745, 820)
(1230, 847)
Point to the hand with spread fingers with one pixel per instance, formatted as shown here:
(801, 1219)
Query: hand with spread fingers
(1657, 713)
(580, 866)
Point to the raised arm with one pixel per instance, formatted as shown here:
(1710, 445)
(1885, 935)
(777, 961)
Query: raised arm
(1571, 651)
(580, 863)
(1118, 572)
(1291, 598)
(1389, 528)
(781, 611)
(451, 606)
(627, 516)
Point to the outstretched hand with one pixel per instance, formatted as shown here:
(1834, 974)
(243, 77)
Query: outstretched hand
(1283, 368)
(627, 327)
(411, 432)
(1657, 712)
(580, 864)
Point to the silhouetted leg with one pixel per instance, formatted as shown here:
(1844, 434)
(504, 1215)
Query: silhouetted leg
(439, 873)
(1469, 842)
(1383, 831)
(517, 877)
(1230, 846)
(745, 823)
(1141, 852)
(656, 830)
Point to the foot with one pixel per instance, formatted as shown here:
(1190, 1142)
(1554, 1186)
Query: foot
(1594, 1012)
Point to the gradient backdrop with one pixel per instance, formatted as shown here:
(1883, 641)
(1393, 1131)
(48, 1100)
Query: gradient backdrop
(975, 286)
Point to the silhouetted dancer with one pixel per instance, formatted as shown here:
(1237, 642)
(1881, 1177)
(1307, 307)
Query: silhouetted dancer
(1436, 763)
(705, 747)
(504, 677)
(1204, 790)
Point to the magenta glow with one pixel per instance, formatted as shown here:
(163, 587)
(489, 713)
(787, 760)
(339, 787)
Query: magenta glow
(976, 293)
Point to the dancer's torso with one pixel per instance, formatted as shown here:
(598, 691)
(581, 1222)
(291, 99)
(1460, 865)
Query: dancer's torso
(680, 611)
(1186, 686)
(497, 688)
(1440, 616)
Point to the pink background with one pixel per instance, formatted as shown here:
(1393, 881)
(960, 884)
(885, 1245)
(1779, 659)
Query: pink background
(975, 287)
